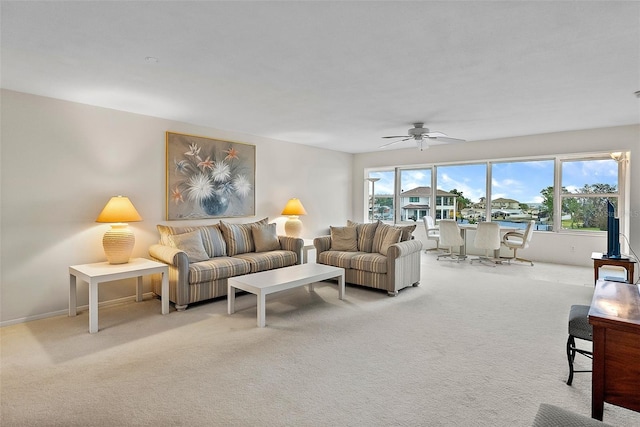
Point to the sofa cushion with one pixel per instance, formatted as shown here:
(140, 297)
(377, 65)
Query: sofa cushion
(337, 258)
(216, 269)
(344, 239)
(366, 232)
(191, 244)
(407, 231)
(167, 230)
(213, 240)
(374, 263)
(265, 237)
(238, 237)
(385, 236)
(261, 261)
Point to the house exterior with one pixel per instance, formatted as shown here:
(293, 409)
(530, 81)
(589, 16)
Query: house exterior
(416, 203)
(501, 209)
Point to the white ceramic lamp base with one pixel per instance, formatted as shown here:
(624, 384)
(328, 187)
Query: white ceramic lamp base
(118, 243)
(293, 227)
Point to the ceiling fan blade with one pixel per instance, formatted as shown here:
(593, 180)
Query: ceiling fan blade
(436, 134)
(446, 139)
(394, 142)
(399, 136)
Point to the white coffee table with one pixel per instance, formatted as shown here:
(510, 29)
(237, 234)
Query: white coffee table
(267, 282)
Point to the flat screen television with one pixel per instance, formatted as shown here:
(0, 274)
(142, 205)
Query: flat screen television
(613, 233)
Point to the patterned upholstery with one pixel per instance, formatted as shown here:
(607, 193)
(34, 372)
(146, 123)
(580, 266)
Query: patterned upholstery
(213, 241)
(579, 325)
(374, 263)
(337, 258)
(365, 234)
(193, 282)
(261, 261)
(398, 269)
(217, 268)
(239, 237)
(212, 238)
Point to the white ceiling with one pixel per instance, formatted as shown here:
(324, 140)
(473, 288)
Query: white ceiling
(337, 75)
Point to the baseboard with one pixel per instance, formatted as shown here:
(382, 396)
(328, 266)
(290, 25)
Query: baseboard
(124, 300)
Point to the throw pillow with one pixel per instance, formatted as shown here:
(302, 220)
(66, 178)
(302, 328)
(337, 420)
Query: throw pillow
(407, 231)
(385, 236)
(344, 239)
(366, 232)
(238, 236)
(391, 237)
(213, 241)
(191, 244)
(265, 237)
(168, 230)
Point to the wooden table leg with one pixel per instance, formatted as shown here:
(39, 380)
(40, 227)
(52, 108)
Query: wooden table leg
(597, 377)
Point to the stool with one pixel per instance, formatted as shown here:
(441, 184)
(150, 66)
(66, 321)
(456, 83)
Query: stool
(579, 327)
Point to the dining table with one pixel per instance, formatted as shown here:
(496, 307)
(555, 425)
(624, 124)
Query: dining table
(463, 232)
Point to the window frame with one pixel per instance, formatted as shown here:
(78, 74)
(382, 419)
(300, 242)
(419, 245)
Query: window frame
(621, 194)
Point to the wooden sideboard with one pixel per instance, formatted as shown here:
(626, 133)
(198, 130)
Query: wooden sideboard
(615, 317)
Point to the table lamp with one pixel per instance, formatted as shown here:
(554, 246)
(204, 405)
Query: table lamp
(119, 240)
(293, 226)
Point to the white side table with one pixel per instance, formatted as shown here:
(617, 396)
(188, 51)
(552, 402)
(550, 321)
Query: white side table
(308, 245)
(94, 274)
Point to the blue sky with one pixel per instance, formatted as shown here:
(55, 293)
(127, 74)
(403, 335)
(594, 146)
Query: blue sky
(521, 181)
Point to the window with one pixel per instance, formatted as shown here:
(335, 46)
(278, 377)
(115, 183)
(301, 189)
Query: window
(381, 200)
(415, 194)
(586, 186)
(461, 192)
(561, 193)
(520, 192)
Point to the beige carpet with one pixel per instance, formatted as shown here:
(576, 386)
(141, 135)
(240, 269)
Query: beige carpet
(471, 346)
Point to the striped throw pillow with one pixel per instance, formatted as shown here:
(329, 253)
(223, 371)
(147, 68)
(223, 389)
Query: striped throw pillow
(238, 237)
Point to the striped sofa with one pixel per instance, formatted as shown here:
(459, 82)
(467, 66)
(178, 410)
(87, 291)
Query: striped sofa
(202, 258)
(381, 256)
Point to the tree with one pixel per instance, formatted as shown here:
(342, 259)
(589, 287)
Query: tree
(461, 201)
(547, 202)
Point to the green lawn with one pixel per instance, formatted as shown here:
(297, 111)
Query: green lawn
(577, 226)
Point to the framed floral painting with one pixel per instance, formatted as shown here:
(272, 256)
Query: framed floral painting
(209, 178)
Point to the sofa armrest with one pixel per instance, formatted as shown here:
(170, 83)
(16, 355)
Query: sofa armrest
(293, 244)
(169, 255)
(178, 273)
(322, 244)
(403, 249)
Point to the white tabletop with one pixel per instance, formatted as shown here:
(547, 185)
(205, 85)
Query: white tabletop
(99, 269)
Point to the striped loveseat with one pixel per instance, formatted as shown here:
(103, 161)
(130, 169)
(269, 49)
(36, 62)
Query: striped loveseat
(202, 258)
(376, 255)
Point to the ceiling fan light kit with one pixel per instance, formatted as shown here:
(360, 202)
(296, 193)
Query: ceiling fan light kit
(422, 136)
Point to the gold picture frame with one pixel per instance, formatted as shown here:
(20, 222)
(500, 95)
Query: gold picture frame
(209, 178)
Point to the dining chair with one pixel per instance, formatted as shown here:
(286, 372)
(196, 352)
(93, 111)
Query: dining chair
(519, 240)
(449, 238)
(487, 238)
(433, 232)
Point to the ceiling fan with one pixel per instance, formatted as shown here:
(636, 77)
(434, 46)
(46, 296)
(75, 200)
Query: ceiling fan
(423, 137)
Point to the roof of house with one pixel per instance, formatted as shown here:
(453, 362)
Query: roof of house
(503, 200)
(423, 191)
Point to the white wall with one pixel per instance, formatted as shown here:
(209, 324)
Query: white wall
(61, 162)
(573, 249)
